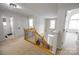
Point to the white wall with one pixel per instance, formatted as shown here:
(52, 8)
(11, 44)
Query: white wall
(1, 29)
(39, 24)
(60, 25)
(20, 22)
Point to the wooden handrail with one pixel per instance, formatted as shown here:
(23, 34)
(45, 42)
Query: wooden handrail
(37, 35)
(43, 39)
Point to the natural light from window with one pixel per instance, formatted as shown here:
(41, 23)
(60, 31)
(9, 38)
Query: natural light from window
(4, 24)
(74, 22)
(52, 24)
(30, 22)
(4, 21)
(75, 16)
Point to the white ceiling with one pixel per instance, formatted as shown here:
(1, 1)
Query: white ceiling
(38, 9)
(41, 9)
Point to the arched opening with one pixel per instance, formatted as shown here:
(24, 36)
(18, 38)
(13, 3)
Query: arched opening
(75, 16)
(71, 32)
(74, 22)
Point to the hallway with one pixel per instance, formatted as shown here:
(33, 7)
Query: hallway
(20, 47)
(70, 46)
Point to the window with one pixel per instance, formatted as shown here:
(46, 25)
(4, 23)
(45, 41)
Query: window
(30, 22)
(75, 16)
(52, 24)
(74, 22)
(4, 22)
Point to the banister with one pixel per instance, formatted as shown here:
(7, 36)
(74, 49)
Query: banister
(37, 35)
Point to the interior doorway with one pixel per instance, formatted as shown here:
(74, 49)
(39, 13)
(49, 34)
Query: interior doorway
(50, 25)
(50, 33)
(8, 27)
(70, 45)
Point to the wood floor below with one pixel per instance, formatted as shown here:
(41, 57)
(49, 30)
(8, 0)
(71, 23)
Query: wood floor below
(20, 47)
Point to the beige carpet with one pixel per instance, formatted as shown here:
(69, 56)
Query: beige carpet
(20, 47)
